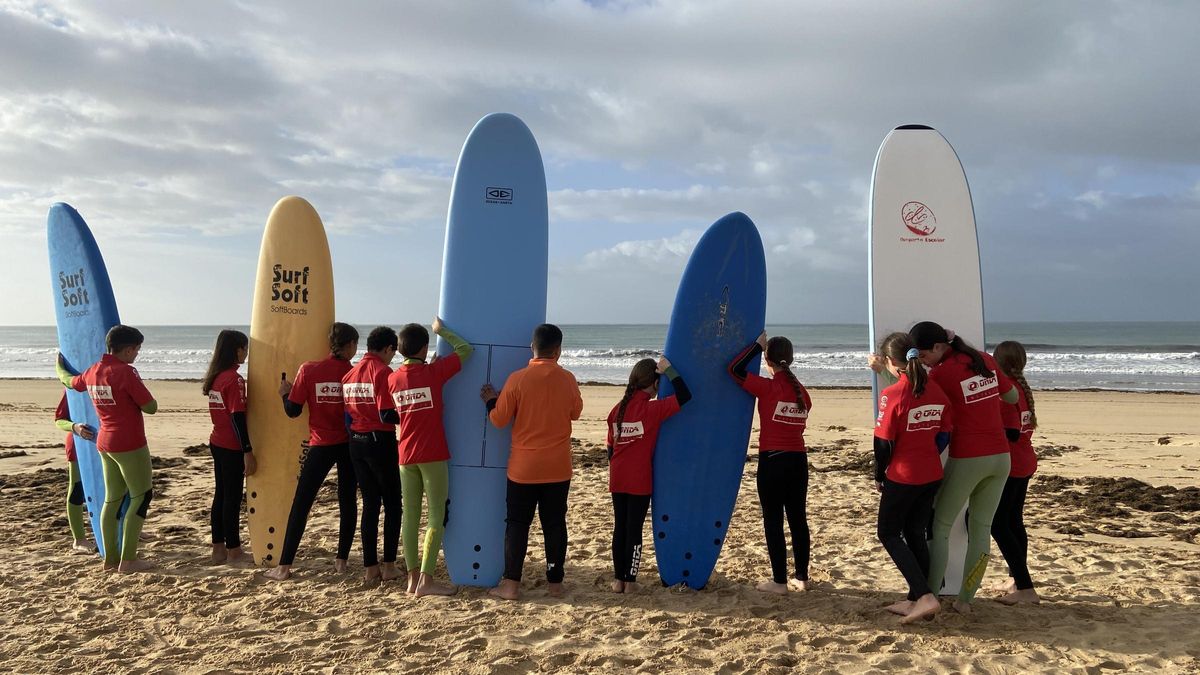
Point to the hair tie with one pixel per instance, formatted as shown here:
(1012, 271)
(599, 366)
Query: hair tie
(911, 354)
(949, 335)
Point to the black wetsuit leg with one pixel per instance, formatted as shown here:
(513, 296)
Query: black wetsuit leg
(229, 470)
(903, 513)
(1008, 529)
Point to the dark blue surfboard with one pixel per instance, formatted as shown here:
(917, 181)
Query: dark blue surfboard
(493, 295)
(720, 308)
(85, 309)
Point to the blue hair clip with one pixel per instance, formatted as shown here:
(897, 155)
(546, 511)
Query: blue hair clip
(911, 354)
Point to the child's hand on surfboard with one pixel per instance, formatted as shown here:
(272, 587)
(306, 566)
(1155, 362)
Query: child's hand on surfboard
(875, 361)
(663, 364)
(762, 340)
(62, 362)
(251, 463)
(285, 387)
(437, 324)
(487, 392)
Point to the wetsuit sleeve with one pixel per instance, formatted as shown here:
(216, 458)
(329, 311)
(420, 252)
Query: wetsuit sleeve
(504, 407)
(459, 345)
(292, 409)
(682, 393)
(389, 416)
(737, 367)
(70, 380)
(239, 427)
(942, 440)
(65, 425)
(883, 457)
(1013, 435)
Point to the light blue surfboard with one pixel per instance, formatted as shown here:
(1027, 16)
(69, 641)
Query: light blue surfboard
(720, 308)
(85, 309)
(493, 295)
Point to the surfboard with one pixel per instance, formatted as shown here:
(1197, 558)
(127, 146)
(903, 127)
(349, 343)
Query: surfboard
(85, 308)
(720, 308)
(923, 258)
(289, 324)
(493, 295)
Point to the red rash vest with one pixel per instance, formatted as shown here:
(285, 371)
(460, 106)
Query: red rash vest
(118, 393)
(630, 471)
(318, 385)
(912, 424)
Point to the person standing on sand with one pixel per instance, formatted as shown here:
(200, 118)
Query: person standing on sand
(540, 400)
(229, 443)
(783, 407)
(979, 461)
(633, 426)
(910, 432)
(120, 398)
(319, 386)
(373, 422)
(75, 495)
(1008, 525)
(416, 388)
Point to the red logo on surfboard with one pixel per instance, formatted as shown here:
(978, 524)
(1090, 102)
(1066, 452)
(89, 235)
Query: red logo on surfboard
(918, 218)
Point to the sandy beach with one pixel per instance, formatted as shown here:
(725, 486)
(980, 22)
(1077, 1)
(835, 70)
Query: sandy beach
(1115, 550)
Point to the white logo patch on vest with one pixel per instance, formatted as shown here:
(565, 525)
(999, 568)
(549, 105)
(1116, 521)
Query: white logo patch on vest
(101, 394)
(329, 392)
(1026, 418)
(629, 431)
(412, 400)
(364, 391)
(216, 401)
(925, 417)
(790, 413)
(979, 388)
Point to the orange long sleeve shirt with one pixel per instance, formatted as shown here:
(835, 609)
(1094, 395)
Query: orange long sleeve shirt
(541, 400)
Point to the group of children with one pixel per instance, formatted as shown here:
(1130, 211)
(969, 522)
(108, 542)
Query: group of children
(382, 428)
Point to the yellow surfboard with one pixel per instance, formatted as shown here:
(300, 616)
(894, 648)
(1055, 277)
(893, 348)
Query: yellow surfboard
(289, 324)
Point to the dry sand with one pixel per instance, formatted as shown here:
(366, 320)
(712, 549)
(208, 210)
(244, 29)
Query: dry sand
(1116, 560)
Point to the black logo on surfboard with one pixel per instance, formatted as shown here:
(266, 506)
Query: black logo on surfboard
(498, 195)
(74, 290)
(289, 290)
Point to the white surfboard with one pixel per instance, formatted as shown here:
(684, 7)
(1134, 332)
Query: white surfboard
(923, 258)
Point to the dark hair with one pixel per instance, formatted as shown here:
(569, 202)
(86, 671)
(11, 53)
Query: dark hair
(895, 347)
(413, 338)
(780, 354)
(546, 337)
(122, 336)
(644, 374)
(1011, 358)
(224, 355)
(927, 333)
(340, 335)
(381, 338)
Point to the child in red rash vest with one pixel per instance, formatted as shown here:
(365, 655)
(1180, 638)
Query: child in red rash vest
(783, 406)
(373, 420)
(1008, 525)
(633, 426)
(229, 443)
(912, 428)
(75, 496)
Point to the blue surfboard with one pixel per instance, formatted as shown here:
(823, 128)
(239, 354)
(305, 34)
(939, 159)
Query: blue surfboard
(720, 308)
(85, 309)
(493, 295)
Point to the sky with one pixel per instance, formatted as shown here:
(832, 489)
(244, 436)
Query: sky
(174, 127)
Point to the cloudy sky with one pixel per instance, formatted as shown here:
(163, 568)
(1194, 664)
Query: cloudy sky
(174, 127)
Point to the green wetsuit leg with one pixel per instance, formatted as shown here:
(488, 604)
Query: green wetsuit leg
(436, 476)
(75, 501)
(411, 487)
(980, 481)
(124, 472)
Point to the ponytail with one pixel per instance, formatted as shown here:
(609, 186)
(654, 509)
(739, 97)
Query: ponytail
(1011, 358)
(644, 374)
(977, 363)
(926, 334)
(897, 347)
(781, 355)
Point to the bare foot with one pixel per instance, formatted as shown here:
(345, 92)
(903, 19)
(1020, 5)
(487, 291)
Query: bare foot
(632, 587)
(340, 566)
(618, 586)
(924, 608)
(131, 566)
(387, 571)
(1027, 595)
(235, 555)
(902, 608)
(371, 574)
(772, 587)
(427, 586)
(110, 567)
(1007, 586)
(961, 607)
(83, 546)
(799, 585)
(218, 553)
(280, 573)
(556, 590)
(414, 578)
(508, 589)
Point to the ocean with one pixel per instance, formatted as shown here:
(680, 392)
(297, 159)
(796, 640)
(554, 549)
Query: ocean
(1135, 356)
